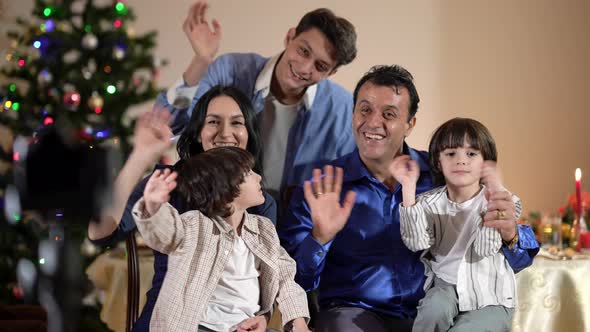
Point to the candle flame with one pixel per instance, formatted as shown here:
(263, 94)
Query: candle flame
(578, 174)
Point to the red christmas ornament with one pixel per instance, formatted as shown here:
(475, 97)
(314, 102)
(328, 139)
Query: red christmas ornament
(72, 100)
(84, 135)
(18, 292)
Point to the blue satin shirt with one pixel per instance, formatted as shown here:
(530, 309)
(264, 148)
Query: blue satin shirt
(367, 264)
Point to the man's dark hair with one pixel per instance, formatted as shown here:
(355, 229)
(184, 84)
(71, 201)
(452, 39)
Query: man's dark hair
(393, 76)
(210, 181)
(188, 144)
(455, 133)
(339, 31)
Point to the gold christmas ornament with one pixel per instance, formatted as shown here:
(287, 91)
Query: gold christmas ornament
(95, 101)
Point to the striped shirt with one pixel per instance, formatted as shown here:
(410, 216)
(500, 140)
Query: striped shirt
(199, 249)
(453, 235)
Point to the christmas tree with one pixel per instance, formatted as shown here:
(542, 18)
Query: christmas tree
(77, 62)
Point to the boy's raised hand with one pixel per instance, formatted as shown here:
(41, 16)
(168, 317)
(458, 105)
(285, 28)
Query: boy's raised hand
(157, 190)
(204, 41)
(405, 170)
(329, 217)
(490, 175)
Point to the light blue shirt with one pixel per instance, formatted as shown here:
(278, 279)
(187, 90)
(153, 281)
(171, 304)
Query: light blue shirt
(321, 132)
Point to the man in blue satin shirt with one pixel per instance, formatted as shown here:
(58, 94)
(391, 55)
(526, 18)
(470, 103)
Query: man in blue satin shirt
(367, 279)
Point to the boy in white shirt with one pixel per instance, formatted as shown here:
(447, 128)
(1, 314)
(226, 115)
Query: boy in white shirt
(225, 265)
(470, 283)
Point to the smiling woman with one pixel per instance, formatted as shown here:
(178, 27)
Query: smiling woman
(224, 125)
(223, 117)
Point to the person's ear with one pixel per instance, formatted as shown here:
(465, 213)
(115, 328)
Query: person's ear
(290, 36)
(410, 126)
(333, 71)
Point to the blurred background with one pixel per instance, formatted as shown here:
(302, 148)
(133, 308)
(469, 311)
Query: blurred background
(519, 67)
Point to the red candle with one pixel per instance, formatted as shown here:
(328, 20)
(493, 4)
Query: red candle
(579, 192)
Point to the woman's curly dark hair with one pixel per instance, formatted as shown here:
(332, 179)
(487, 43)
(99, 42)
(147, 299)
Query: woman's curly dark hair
(210, 181)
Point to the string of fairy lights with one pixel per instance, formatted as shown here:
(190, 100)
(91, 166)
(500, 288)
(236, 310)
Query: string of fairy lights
(79, 59)
(75, 60)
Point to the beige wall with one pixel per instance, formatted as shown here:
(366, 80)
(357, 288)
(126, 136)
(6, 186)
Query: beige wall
(520, 67)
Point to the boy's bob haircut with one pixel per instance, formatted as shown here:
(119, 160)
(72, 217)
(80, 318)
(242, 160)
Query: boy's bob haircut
(210, 181)
(455, 133)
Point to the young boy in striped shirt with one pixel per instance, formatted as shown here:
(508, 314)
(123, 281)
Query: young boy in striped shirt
(469, 281)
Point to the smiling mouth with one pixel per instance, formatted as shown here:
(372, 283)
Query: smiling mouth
(295, 74)
(224, 144)
(375, 137)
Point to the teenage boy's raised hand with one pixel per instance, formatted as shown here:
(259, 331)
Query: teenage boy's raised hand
(204, 41)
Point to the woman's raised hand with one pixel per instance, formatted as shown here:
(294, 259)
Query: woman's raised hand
(152, 135)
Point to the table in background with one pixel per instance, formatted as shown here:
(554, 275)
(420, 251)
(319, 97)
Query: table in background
(553, 295)
(108, 272)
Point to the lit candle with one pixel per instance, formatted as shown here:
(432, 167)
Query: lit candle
(579, 192)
